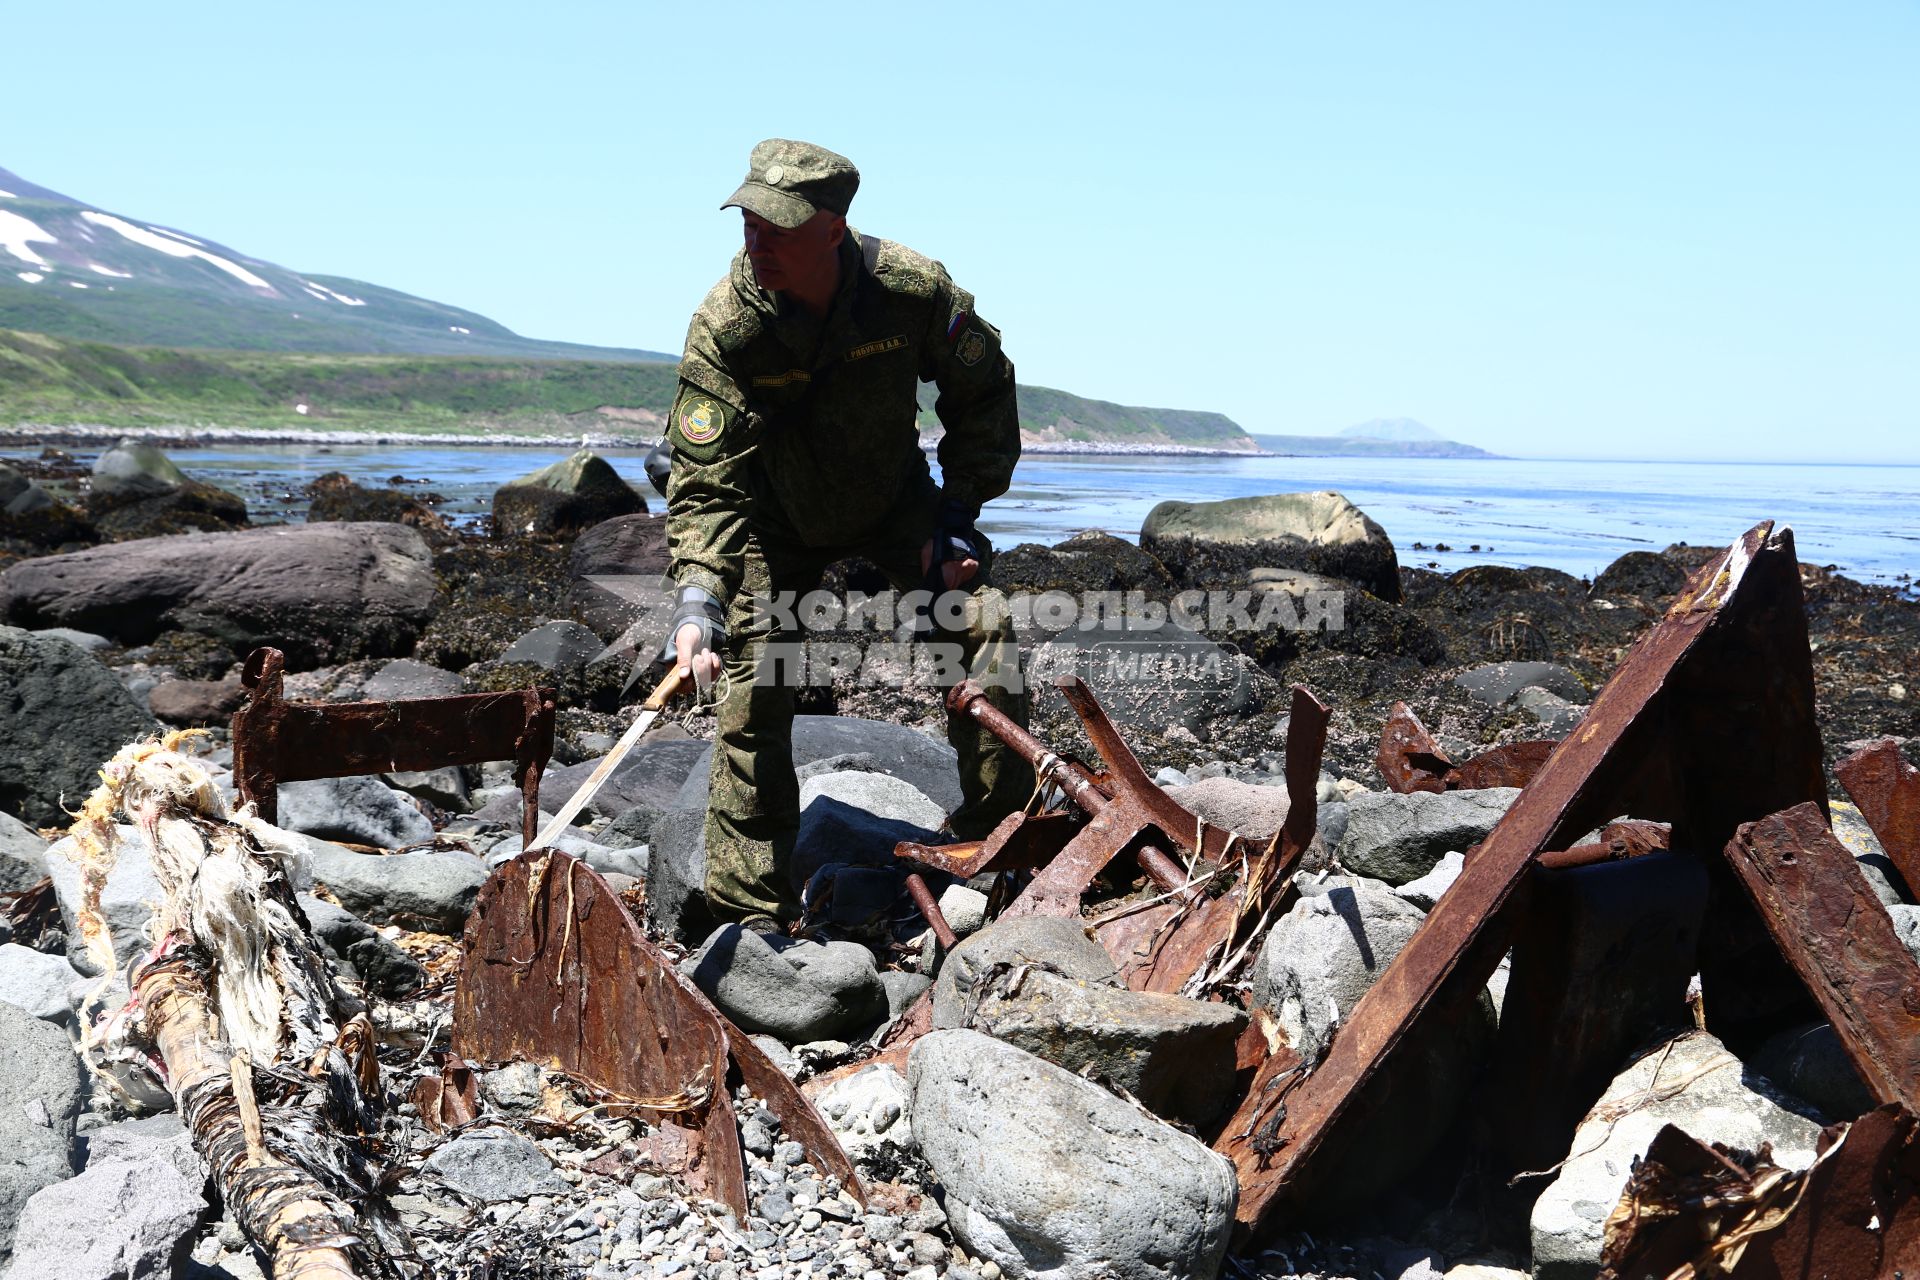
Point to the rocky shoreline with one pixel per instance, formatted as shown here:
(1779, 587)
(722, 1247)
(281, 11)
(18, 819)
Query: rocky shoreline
(129, 596)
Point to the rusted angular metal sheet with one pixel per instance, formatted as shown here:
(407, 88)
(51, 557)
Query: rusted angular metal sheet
(1887, 790)
(1839, 939)
(1161, 947)
(448, 1098)
(557, 972)
(1696, 1210)
(276, 741)
(1708, 719)
(1601, 960)
(1410, 759)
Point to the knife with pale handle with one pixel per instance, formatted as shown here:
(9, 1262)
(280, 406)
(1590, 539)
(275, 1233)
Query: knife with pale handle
(675, 682)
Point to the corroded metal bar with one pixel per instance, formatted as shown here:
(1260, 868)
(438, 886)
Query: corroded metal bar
(930, 908)
(1887, 790)
(1840, 940)
(968, 698)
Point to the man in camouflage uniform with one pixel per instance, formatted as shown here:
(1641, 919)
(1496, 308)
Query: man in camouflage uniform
(795, 445)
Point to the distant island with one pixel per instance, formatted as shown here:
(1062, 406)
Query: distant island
(1378, 438)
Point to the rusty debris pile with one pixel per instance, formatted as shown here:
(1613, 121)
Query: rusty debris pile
(1656, 1013)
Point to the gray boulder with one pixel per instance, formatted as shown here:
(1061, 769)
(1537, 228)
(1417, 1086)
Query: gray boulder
(405, 678)
(23, 855)
(1047, 1174)
(41, 1088)
(85, 639)
(555, 646)
(126, 902)
(135, 468)
(1322, 533)
(495, 1164)
(19, 495)
(573, 494)
(1498, 683)
(196, 702)
(359, 950)
(1397, 838)
(35, 981)
(132, 1213)
(432, 890)
(797, 991)
(652, 774)
(1906, 924)
(1850, 829)
(619, 568)
(1426, 891)
(1145, 678)
(1247, 808)
(1693, 1083)
(360, 810)
(1050, 943)
(445, 788)
(66, 715)
(322, 593)
(857, 817)
(1810, 1063)
(1557, 716)
(1323, 955)
(868, 1111)
(1175, 1055)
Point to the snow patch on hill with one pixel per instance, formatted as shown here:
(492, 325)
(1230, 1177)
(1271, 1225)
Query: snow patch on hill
(8, 195)
(16, 233)
(109, 271)
(31, 277)
(321, 292)
(174, 248)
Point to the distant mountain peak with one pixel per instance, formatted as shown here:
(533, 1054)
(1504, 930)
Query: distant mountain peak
(1392, 429)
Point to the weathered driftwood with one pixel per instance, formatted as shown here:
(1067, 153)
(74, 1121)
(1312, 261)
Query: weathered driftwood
(239, 1010)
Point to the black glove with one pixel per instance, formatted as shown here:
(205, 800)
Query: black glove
(700, 607)
(658, 464)
(954, 539)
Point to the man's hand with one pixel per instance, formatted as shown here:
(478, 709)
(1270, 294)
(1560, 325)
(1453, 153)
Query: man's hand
(699, 632)
(694, 656)
(952, 572)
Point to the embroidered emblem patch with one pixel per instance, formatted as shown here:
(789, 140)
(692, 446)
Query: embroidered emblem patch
(701, 421)
(866, 349)
(971, 347)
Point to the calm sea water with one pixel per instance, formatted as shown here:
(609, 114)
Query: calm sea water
(1571, 515)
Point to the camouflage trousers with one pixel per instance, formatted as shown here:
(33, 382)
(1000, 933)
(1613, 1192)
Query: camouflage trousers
(753, 811)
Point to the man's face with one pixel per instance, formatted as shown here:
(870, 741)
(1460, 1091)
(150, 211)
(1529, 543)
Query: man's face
(787, 259)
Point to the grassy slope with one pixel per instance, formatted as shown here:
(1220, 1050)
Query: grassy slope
(1359, 447)
(55, 381)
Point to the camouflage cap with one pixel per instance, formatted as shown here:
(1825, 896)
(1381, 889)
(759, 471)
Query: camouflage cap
(788, 182)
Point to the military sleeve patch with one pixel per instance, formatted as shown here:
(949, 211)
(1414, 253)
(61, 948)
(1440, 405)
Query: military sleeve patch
(959, 319)
(702, 419)
(972, 347)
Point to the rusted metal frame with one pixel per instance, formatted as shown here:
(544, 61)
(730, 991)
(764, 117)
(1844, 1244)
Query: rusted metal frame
(1840, 940)
(1619, 842)
(1456, 941)
(1693, 1209)
(930, 909)
(556, 971)
(1513, 765)
(1887, 790)
(1021, 842)
(1161, 948)
(276, 741)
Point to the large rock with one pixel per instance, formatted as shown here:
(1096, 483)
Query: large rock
(1398, 838)
(425, 890)
(1051, 943)
(335, 497)
(555, 646)
(320, 592)
(869, 1112)
(1175, 1055)
(798, 991)
(1645, 574)
(1213, 543)
(358, 810)
(1146, 678)
(619, 569)
(127, 900)
(652, 774)
(677, 869)
(1049, 1175)
(1691, 1082)
(1246, 808)
(64, 716)
(23, 855)
(1317, 961)
(41, 1088)
(572, 494)
(196, 702)
(35, 981)
(858, 817)
(132, 1214)
(405, 678)
(137, 492)
(1086, 562)
(495, 1164)
(1498, 683)
(1810, 1062)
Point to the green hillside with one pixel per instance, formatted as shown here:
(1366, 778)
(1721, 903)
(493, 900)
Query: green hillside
(1052, 416)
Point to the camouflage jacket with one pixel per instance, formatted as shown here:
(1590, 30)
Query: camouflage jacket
(791, 426)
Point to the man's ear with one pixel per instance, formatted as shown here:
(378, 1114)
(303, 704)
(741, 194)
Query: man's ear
(836, 231)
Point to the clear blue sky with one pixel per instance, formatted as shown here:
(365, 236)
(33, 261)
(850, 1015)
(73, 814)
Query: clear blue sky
(1620, 229)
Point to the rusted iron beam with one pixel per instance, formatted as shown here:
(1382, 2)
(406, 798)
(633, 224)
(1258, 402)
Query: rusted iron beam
(1693, 1209)
(1619, 842)
(1840, 940)
(1709, 717)
(1410, 759)
(1887, 790)
(930, 909)
(556, 971)
(276, 741)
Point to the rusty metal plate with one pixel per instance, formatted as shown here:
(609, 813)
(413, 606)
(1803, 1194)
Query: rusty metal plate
(276, 741)
(1513, 765)
(1409, 757)
(557, 972)
(1709, 717)
(1887, 790)
(1840, 940)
